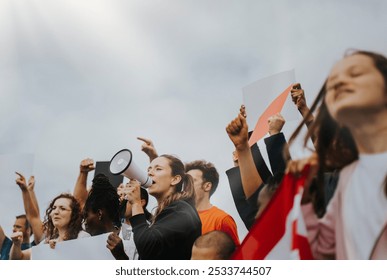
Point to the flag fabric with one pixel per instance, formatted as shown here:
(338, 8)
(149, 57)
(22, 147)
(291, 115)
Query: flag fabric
(280, 232)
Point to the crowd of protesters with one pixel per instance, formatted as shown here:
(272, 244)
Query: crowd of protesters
(344, 202)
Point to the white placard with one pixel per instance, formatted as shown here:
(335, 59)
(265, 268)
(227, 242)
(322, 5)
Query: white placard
(88, 248)
(258, 95)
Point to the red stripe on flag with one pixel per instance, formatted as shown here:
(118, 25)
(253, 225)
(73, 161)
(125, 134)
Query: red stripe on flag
(301, 244)
(270, 227)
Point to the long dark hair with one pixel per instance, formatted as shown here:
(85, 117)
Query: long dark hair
(184, 190)
(75, 224)
(334, 144)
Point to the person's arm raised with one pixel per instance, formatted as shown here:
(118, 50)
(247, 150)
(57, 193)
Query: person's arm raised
(276, 123)
(31, 209)
(148, 148)
(237, 130)
(80, 189)
(31, 190)
(298, 97)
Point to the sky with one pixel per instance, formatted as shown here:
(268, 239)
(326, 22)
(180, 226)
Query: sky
(84, 78)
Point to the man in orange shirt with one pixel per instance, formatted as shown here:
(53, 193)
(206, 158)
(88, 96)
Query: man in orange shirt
(206, 179)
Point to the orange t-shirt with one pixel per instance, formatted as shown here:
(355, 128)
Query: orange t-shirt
(216, 219)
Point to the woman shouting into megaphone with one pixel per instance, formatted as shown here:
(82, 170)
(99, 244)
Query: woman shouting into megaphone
(176, 224)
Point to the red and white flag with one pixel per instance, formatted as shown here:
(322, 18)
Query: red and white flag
(280, 232)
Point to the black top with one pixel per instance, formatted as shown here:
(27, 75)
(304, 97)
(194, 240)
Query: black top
(171, 236)
(247, 208)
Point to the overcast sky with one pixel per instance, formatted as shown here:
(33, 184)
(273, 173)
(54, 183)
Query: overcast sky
(84, 78)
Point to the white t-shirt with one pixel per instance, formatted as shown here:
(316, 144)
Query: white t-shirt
(126, 235)
(364, 204)
(83, 234)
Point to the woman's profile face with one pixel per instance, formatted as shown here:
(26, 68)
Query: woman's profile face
(93, 223)
(161, 173)
(61, 213)
(355, 86)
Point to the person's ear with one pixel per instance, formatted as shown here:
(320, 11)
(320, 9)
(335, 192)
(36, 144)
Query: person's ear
(100, 214)
(175, 180)
(207, 186)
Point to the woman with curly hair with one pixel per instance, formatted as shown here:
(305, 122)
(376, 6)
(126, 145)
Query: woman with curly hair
(63, 221)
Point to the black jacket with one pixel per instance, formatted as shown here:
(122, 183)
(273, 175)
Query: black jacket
(247, 208)
(171, 236)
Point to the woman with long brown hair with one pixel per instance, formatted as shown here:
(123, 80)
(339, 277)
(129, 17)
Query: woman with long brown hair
(351, 135)
(176, 223)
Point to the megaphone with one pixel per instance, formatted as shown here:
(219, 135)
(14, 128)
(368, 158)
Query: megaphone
(122, 163)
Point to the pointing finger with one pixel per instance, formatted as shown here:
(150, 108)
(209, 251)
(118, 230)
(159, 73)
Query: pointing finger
(147, 141)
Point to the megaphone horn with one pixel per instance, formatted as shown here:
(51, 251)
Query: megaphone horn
(122, 163)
